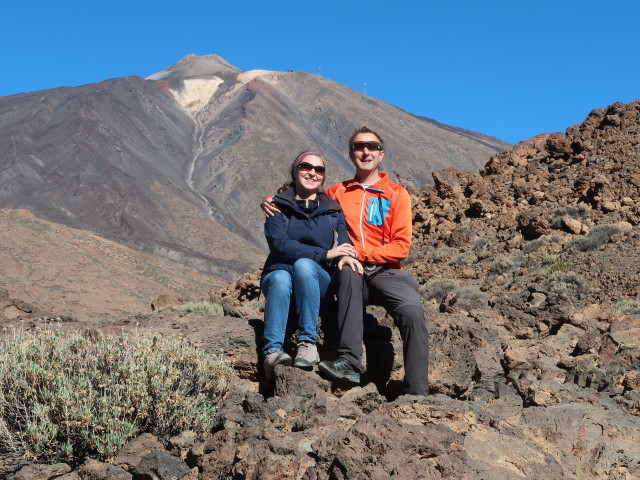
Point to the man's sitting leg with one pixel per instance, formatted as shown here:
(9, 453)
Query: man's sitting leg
(399, 292)
(415, 348)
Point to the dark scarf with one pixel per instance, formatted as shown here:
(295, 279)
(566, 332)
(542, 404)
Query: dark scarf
(308, 206)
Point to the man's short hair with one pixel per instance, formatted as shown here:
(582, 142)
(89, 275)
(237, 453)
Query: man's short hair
(364, 130)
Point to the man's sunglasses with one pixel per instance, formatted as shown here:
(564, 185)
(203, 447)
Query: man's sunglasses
(307, 167)
(368, 145)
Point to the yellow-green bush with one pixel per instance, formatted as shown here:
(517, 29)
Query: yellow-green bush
(204, 307)
(64, 396)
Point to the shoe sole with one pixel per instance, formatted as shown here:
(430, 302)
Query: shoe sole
(337, 376)
(284, 361)
(299, 363)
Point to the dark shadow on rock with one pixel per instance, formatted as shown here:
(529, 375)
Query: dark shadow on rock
(380, 353)
(328, 334)
(258, 332)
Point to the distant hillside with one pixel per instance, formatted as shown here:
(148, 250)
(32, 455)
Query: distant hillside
(73, 273)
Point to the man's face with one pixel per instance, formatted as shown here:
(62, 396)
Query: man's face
(365, 159)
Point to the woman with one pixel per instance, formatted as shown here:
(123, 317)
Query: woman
(302, 254)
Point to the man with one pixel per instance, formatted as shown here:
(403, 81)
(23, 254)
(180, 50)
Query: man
(379, 223)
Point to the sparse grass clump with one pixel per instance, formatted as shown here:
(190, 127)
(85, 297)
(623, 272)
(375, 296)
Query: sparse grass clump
(532, 246)
(627, 306)
(570, 286)
(443, 253)
(598, 236)
(560, 267)
(578, 212)
(64, 396)
(465, 259)
(436, 290)
(482, 248)
(414, 255)
(204, 307)
(503, 264)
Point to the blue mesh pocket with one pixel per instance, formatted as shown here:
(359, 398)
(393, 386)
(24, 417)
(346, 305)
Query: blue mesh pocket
(377, 210)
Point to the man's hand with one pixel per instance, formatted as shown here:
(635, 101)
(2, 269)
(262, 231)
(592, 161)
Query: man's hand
(268, 207)
(344, 249)
(354, 263)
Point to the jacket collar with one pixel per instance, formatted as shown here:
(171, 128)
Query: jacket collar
(289, 197)
(381, 184)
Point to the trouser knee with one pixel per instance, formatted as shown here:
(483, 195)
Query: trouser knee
(304, 267)
(278, 281)
(410, 316)
(346, 276)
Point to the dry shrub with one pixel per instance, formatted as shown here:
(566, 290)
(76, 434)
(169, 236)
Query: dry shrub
(568, 285)
(436, 290)
(627, 306)
(64, 396)
(597, 237)
(204, 306)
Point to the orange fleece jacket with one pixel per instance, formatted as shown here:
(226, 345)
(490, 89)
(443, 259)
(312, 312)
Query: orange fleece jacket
(379, 220)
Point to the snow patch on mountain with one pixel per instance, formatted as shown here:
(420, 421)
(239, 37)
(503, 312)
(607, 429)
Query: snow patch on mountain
(196, 93)
(246, 77)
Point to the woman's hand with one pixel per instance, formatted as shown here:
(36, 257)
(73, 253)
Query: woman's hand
(345, 249)
(268, 207)
(352, 263)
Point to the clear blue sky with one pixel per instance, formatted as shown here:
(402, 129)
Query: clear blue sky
(510, 69)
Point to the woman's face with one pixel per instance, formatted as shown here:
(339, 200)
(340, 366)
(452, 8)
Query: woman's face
(308, 178)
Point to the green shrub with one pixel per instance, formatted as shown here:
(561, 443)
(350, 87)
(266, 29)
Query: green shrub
(598, 236)
(204, 307)
(560, 267)
(64, 396)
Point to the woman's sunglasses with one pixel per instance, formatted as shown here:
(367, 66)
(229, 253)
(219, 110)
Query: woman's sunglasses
(307, 167)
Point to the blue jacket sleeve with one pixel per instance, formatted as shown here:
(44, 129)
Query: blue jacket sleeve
(284, 248)
(341, 228)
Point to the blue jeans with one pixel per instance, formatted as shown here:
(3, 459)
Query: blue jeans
(309, 284)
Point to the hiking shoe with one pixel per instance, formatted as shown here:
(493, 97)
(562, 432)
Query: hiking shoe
(307, 355)
(275, 358)
(341, 369)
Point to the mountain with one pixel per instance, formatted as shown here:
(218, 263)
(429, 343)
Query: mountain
(174, 165)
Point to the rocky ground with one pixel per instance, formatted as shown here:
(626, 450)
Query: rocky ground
(529, 274)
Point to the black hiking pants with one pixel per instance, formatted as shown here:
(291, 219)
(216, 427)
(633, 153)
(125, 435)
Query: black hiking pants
(396, 291)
